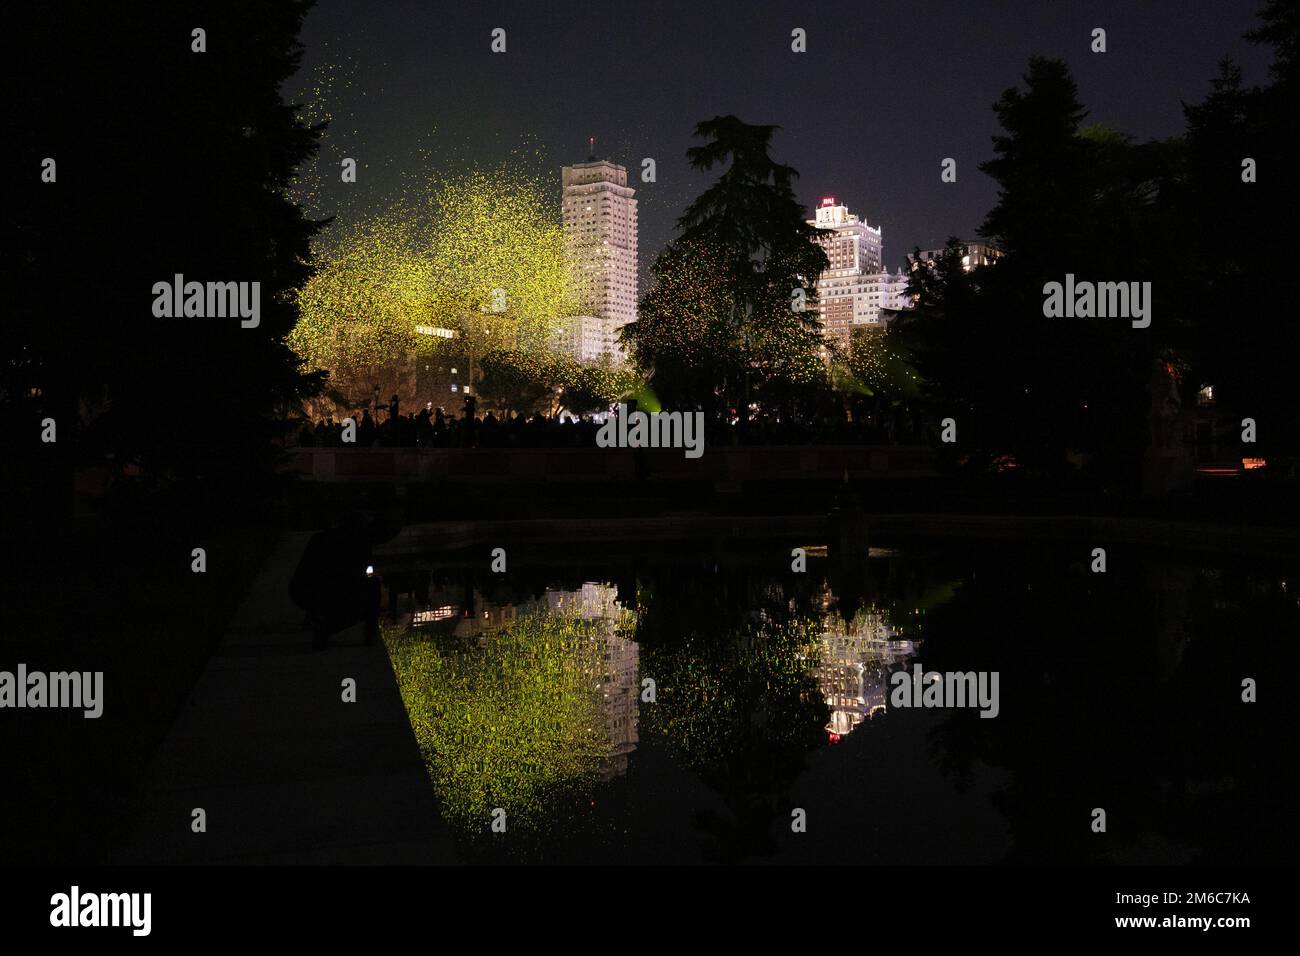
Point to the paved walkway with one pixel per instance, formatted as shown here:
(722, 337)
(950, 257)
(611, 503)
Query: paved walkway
(286, 771)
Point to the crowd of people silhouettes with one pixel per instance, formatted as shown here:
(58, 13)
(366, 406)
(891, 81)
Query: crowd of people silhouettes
(435, 427)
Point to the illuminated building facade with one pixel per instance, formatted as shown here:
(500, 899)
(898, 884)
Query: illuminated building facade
(974, 255)
(854, 289)
(600, 231)
(589, 338)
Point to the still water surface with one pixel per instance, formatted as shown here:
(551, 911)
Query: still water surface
(687, 708)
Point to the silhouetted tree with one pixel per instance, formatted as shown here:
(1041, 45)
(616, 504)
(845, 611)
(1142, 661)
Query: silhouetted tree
(517, 381)
(1236, 238)
(1071, 199)
(725, 286)
(169, 161)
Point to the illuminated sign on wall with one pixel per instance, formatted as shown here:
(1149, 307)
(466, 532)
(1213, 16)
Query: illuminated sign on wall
(431, 330)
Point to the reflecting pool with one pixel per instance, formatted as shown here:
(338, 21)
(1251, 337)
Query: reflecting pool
(712, 708)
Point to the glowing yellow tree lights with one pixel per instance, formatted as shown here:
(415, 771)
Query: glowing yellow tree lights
(482, 254)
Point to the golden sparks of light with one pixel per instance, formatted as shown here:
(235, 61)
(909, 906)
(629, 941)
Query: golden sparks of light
(480, 253)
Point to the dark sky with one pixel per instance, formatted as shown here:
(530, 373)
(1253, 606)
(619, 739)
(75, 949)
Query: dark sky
(885, 91)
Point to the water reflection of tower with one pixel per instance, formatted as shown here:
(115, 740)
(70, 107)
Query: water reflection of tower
(857, 660)
(618, 685)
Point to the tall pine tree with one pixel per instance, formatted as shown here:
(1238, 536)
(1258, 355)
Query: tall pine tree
(169, 161)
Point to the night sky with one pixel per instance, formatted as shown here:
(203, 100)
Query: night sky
(885, 91)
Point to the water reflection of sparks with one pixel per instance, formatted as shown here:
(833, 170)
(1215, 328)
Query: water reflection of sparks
(512, 704)
(593, 602)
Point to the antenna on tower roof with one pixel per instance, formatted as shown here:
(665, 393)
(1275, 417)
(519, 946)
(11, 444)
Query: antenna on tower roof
(591, 149)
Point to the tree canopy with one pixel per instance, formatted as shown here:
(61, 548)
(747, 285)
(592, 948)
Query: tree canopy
(717, 329)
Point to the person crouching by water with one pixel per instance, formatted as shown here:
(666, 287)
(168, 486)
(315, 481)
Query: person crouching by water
(335, 583)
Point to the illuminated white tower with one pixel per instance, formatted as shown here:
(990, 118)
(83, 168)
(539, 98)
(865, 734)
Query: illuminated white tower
(600, 237)
(853, 289)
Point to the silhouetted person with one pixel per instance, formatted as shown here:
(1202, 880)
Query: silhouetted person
(424, 426)
(331, 582)
(439, 429)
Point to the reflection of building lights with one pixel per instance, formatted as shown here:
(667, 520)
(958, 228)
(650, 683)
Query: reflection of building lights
(854, 666)
(434, 614)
